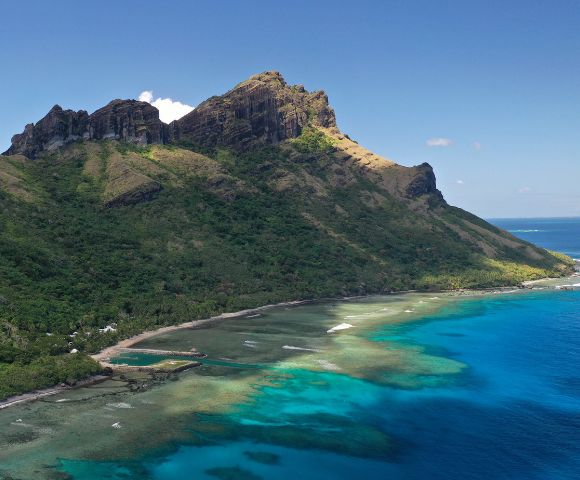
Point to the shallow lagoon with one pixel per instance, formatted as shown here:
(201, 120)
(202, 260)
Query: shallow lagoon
(419, 387)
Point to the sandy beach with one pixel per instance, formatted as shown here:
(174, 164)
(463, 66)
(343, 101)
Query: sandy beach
(104, 355)
(46, 392)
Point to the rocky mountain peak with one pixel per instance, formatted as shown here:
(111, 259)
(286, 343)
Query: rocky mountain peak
(55, 129)
(261, 110)
(270, 76)
(128, 120)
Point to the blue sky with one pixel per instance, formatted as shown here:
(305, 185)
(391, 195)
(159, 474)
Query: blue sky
(495, 84)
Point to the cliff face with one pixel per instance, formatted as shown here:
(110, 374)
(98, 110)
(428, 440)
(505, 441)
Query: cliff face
(261, 110)
(53, 131)
(127, 120)
(255, 197)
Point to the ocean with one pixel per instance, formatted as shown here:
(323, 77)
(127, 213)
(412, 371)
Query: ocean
(419, 386)
(558, 234)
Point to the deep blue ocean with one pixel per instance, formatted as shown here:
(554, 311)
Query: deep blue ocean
(514, 413)
(559, 234)
(471, 388)
(517, 416)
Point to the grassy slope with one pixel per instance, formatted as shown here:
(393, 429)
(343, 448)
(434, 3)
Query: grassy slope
(224, 233)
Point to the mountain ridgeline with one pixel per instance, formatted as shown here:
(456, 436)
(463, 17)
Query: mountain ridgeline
(254, 197)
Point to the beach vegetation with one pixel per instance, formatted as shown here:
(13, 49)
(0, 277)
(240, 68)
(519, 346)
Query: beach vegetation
(230, 232)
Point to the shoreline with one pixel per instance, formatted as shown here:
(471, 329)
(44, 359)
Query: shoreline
(104, 355)
(49, 391)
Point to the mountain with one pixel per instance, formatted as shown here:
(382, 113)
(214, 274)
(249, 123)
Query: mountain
(254, 197)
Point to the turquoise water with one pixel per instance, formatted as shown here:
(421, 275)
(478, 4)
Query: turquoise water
(421, 387)
(514, 413)
(140, 359)
(517, 413)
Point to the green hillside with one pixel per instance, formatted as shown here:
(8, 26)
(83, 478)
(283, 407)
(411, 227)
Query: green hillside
(104, 232)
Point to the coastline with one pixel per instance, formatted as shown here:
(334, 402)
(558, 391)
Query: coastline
(49, 391)
(104, 355)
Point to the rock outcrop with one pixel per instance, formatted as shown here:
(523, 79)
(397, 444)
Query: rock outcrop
(262, 110)
(57, 128)
(403, 182)
(422, 182)
(128, 120)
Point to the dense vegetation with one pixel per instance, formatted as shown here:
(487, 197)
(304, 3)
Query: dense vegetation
(210, 244)
(45, 371)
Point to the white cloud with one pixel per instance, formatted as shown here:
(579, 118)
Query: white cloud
(146, 96)
(524, 189)
(439, 142)
(168, 109)
(460, 182)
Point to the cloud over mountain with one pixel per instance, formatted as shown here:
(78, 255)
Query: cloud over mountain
(169, 110)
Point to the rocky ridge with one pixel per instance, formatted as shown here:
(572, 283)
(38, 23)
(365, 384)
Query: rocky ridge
(263, 110)
(128, 120)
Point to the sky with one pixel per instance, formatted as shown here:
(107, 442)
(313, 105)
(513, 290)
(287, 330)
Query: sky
(486, 91)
